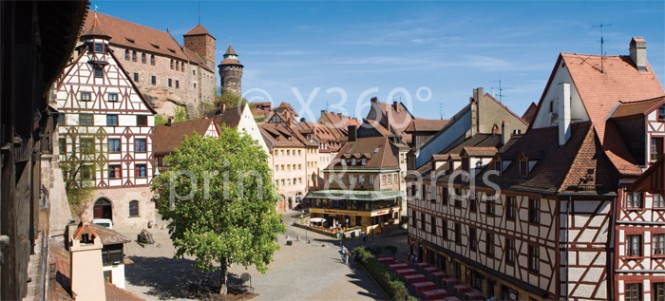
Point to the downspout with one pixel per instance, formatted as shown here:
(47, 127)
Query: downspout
(570, 200)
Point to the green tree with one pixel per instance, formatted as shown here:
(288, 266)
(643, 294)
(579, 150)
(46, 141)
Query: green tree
(79, 169)
(180, 114)
(159, 120)
(229, 99)
(228, 212)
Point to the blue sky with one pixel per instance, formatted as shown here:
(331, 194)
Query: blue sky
(429, 54)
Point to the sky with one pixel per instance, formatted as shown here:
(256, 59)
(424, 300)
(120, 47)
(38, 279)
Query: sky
(428, 54)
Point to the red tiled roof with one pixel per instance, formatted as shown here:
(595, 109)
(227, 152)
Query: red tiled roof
(114, 293)
(198, 30)
(230, 51)
(230, 117)
(167, 138)
(652, 180)
(426, 125)
(381, 152)
(530, 113)
(109, 236)
(95, 30)
(644, 107)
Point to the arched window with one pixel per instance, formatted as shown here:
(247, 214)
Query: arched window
(143, 57)
(152, 59)
(103, 209)
(172, 64)
(177, 66)
(134, 209)
(134, 56)
(126, 54)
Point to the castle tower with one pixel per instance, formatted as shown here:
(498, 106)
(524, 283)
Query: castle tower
(230, 70)
(199, 40)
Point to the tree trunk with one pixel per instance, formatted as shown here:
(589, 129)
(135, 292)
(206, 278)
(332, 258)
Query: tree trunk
(222, 282)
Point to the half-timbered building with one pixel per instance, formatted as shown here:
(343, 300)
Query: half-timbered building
(102, 110)
(552, 215)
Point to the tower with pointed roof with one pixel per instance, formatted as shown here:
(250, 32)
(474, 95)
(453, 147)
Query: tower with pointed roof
(199, 40)
(230, 71)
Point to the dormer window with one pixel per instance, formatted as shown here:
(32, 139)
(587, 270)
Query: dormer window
(99, 47)
(343, 162)
(661, 113)
(363, 161)
(466, 164)
(353, 161)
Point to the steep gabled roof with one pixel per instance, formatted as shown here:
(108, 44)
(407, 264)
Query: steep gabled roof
(425, 125)
(169, 137)
(230, 117)
(530, 113)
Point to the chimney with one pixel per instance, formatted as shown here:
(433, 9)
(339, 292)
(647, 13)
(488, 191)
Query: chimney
(477, 93)
(85, 251)
(505, 132)
(564, 113)
(170, 121)
(353, 132)
(395, 105)
(638, 53)
(374, 99)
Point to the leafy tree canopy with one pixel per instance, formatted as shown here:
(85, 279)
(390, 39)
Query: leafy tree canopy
(220, 203)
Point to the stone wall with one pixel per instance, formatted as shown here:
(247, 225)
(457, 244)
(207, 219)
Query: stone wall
(190, 84)
(120, 198)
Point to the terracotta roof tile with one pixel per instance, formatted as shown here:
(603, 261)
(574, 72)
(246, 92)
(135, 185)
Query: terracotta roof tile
(95, 30)
(230, 51)
(426, 125)
(479, 151)
(530, 113)
(114, 293)
(198, 30)
(382, 153)
(230, 117)
(167, 138)
(109, 236)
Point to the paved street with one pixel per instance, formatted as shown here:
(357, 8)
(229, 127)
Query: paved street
(299, 272)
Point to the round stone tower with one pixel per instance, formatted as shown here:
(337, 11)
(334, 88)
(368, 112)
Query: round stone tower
(230, 70)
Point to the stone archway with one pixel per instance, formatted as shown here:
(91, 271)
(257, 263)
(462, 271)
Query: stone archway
(103, 209)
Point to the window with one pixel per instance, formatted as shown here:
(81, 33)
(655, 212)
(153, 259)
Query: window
(99, 48)
(126, 54)
(658, 244)
(85, 96)
(659, 291)
(87, 144)
(658, 201)
(88, 172)
(134, 56)
(473, 202)
(414, 221)
(140, 145)
(363, 161)
(86, 119)
(489, 244)
(633, 245)
(143, 58)
(170, 83)
(115, 172)
(136, 77)
(153, 80)
(140, 171)
(661, 113)
(473, 244)
(113, 97)
(466, 164)
(489, 203)
(422, 221)
(510, 250)
(114, 145)
(152, 59)
(510, 207)
(433, 224)
(62, 145)
(524, 168)
(193, 72)
(141, 120)
(112, 120)
(194, 85)
(99, 71)
(177, 84)
(133, 208)
(62, 120)
(172, 64)
(534, 211)
(656, 148)
(458, 234)
(633, 292)
(353, 161)
(444, 229)
(177, 66)
(634, 200)
(534, 258)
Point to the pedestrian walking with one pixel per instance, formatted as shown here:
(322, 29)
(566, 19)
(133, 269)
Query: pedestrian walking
(344, 253)
(364, 235)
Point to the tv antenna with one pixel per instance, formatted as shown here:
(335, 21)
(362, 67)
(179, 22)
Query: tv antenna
(441, 110)
(602, 45)
(500, 89)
